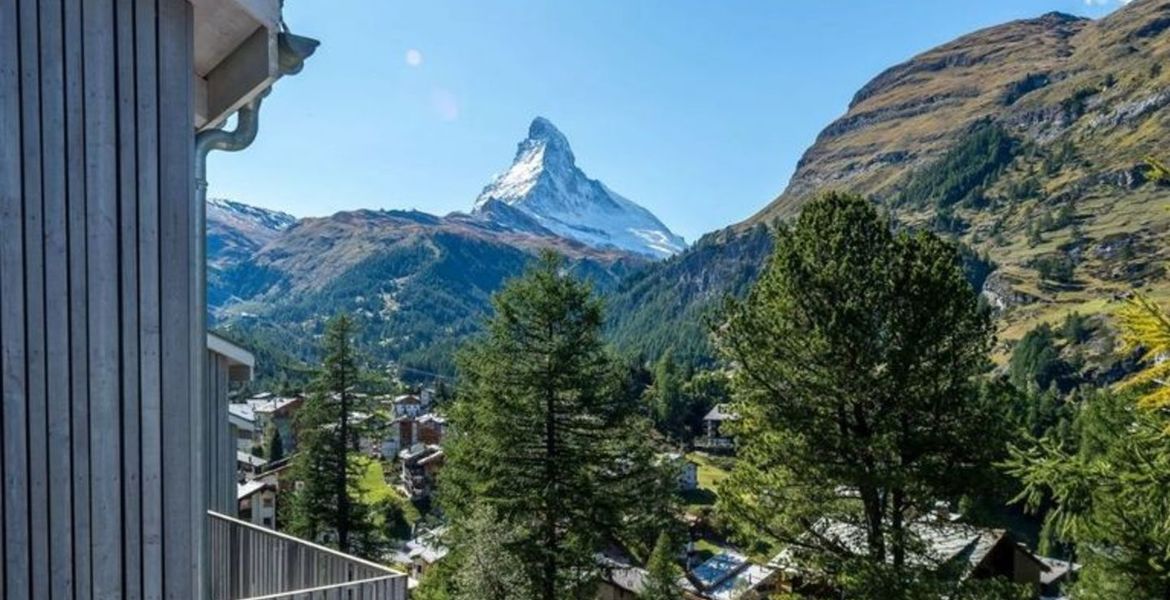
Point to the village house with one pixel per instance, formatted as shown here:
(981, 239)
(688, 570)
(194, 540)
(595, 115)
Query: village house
(431, 428)
(253, 416)
(243, 423)
(620, 580)
(248, 465)
(421, 553)
(964, 550)
(400, 433)
(420, 464)
(257, 503)
(278, 412)
(408, 405)
(687, 470)
(713, 421)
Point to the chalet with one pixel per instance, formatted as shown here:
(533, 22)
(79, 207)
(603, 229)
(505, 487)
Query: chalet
(961, 550)
(257, 503)
(620, 580)
(249, 465)
(243, 423)
(277, 412)
(108, 111)
(432, 428)
(252, 418)
(713, 422)
(408, 405)
(420, 464)
(687, 469)
(422, 552)
(399, 434)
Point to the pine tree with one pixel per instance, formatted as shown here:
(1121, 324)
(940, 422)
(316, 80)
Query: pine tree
(666, 396)
(273, 444)
(663, 573)
(327, 502)
(490, 570)
(544, 438)
(855, 356)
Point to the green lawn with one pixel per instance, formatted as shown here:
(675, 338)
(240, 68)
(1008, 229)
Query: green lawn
(373, 483)
(705, 549)
(375, 489)
(712, 471)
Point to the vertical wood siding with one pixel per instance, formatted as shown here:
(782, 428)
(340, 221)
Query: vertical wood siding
(101, 428)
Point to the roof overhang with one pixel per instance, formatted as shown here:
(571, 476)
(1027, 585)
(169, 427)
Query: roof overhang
(240, 361)
(236, 56)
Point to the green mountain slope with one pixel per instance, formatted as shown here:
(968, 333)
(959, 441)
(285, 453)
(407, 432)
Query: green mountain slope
(416, 284)
(1028, 142)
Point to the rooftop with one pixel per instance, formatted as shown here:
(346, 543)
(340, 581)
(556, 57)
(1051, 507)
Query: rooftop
(727, 576)
(721, 412)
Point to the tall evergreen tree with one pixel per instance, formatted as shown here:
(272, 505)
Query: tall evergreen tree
(544, 438)
(273, 444)
(490, 570)
(855, 356)
(327, 503)
(663, 573)
(666, 398)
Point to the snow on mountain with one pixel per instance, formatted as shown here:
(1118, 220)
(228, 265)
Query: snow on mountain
(245, 216)
(236, 230)
(545, 184)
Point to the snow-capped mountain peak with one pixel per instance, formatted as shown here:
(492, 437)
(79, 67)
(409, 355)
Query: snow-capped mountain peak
(545, 183)
(223, 209)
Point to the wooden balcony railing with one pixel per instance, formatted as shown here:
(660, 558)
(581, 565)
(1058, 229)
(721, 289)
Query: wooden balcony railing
(254, 563)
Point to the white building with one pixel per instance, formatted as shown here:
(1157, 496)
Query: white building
(257, 503)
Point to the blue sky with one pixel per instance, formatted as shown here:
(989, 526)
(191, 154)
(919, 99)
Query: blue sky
(698, 110)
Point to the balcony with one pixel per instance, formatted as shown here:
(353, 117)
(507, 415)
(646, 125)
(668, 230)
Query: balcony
(253, 563)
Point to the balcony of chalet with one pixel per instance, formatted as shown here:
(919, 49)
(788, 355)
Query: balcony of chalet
(255, 563)
(247, 561)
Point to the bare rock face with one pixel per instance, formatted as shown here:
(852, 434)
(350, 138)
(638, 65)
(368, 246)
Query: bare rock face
(1000, 294)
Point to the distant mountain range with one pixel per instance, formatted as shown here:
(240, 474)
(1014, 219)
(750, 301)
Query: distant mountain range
(419, 283)
(1035, 144)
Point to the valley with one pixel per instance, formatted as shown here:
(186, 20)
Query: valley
(1036, 145)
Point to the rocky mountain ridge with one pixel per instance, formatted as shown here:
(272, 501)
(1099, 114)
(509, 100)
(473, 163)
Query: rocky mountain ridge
(545, 184)
(1032, 143)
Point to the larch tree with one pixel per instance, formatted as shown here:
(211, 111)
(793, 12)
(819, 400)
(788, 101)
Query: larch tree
(1110, 484)
(544, 438)
(855, 359)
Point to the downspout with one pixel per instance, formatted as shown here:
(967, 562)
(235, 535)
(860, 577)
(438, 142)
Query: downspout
(292, 50)
(247, 124)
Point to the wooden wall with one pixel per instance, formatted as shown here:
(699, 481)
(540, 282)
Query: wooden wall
(221, 438)
(99, 435)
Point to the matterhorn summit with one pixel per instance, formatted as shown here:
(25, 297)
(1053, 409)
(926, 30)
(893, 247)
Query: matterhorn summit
(545, 184)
